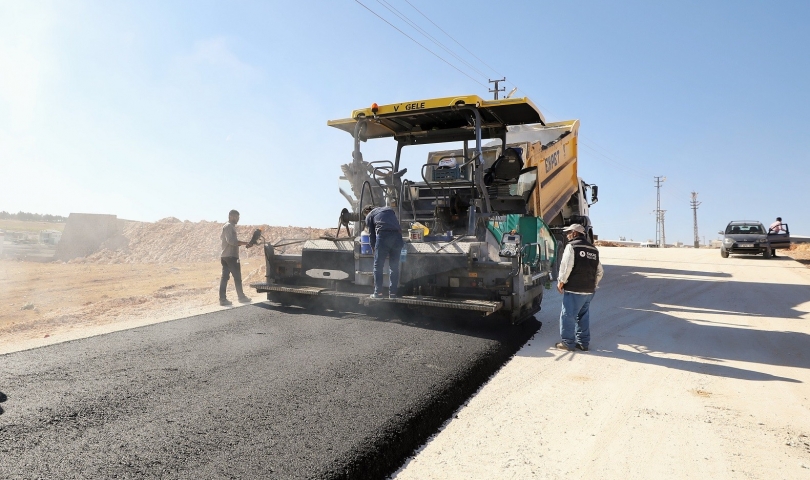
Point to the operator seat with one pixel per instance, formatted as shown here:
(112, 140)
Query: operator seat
(502, 178)
(506, 168)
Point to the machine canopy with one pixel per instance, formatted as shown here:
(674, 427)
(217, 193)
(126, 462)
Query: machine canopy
(427, 117)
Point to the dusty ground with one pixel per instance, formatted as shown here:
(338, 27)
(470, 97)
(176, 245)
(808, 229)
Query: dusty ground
(699, 368)
(44, 303)
(150, 272)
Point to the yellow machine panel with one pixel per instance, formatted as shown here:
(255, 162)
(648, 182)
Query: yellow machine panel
(438, 114)
(556, 171)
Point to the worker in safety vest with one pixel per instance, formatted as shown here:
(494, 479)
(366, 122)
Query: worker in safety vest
(580, 273)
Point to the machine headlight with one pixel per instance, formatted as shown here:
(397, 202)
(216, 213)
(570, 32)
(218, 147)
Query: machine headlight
(728, 240)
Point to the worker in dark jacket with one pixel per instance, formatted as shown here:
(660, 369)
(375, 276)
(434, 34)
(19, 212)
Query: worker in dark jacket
(580, 273)
(230, 260)
(385, 238)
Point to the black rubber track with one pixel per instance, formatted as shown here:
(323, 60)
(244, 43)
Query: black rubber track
(251, 392)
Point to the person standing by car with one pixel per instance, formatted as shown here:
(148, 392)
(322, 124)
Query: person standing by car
(385, 237)
(580, 273)
(230, 260)
(776, 227)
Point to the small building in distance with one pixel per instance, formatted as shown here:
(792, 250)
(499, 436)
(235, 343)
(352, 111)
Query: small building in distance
(50, 237)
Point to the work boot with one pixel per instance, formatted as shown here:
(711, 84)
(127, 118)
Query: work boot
(244, 299)
(563, 346)
(225, 302)
(376, 295)
(582, 347)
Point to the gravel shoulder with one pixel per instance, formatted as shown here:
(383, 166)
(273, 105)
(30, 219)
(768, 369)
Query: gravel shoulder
(699, 368)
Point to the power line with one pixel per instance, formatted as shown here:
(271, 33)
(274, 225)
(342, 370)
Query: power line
(414, 41)
(416, 27)
(594, 147)
(451, 38)
(635, 172)
(467, 50)
(421, 30)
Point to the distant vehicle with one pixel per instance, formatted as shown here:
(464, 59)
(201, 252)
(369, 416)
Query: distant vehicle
(648, 245)
(748, 237)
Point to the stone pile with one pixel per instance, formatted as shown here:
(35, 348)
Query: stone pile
(171, 240)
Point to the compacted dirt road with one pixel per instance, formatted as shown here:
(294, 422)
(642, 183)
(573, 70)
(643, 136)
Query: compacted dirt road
(699, 368)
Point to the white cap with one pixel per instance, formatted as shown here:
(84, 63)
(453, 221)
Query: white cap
(575, 227)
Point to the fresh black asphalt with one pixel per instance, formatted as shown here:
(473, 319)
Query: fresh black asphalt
(251, 392)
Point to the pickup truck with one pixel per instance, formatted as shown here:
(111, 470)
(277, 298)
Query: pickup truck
(747, 237)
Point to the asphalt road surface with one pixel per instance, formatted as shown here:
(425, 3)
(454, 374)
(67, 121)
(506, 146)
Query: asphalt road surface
(251, 392)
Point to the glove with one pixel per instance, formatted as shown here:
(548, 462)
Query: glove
(255, 238)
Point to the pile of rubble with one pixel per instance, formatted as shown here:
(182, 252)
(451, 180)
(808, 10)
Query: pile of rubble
(171, 240)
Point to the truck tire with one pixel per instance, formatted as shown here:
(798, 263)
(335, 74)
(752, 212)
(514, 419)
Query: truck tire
(723, 253)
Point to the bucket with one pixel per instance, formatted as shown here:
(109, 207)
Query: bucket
(365, 244)
(416, 235)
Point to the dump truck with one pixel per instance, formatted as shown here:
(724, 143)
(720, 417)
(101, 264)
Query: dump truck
(481, 221)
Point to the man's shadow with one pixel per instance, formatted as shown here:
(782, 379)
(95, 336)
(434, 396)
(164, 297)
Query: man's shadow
(3, 398)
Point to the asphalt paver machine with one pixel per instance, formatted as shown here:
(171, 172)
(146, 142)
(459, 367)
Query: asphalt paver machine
(473, 242)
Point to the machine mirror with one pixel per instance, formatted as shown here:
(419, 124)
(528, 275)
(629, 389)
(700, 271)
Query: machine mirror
(594, 193)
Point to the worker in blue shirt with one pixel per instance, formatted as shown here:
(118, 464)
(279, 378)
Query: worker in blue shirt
(385, 238)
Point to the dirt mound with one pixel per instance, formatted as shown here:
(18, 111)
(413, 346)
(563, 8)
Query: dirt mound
(172, 240)
(800, 252)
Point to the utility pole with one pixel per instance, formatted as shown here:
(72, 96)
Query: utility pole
(694, 203)
(496, 90)
(659, 216)
(663, 232)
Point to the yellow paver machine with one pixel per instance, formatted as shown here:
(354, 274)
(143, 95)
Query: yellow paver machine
(480, 220)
